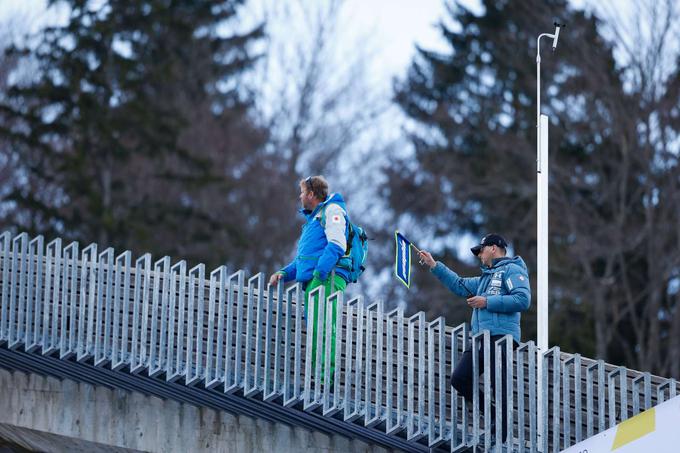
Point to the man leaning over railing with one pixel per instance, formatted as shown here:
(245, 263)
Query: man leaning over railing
(497, 298)
(320, 252)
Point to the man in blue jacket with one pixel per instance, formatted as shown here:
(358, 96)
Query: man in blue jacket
(497, 298)
(320, 251)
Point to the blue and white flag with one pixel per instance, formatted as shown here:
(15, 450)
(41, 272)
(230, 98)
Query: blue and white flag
(402, 260)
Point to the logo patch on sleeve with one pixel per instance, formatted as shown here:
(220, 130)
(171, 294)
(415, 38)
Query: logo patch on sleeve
(336, 219)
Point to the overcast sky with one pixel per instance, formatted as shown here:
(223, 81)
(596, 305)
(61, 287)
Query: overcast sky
(395, 24)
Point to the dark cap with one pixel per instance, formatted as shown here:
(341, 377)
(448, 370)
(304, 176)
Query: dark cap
(489, 239)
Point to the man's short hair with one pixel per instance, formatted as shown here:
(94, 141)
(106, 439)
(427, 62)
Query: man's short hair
(317, 185)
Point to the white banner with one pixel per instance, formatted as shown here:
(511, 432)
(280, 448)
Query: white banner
(656, 430)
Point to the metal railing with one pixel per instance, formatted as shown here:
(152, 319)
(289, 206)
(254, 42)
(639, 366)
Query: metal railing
(232, 334)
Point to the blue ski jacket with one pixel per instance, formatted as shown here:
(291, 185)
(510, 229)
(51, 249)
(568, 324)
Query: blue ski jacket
(506, 287)
(320, 246)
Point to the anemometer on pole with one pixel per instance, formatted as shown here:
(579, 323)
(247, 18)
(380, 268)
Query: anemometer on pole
(542, 226)
(542, 199)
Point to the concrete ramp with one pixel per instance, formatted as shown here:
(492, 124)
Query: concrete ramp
(52, 415)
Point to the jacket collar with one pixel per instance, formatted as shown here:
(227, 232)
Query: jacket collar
(495, 263)
(310, 214)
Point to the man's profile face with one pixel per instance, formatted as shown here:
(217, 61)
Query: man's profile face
(486, 254)
(306, 197)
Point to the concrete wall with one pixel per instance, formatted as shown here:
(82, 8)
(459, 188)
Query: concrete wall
(47, 414)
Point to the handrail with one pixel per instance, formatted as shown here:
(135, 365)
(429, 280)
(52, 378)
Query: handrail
(230, 334)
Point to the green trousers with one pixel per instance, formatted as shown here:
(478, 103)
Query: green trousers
(339, 284)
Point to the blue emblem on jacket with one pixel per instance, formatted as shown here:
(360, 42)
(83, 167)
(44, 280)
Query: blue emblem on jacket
(506, 287)
(314, 253)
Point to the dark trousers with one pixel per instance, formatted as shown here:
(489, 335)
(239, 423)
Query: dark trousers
(461, 378)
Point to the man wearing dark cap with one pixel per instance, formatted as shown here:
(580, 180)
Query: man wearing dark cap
(497, 298)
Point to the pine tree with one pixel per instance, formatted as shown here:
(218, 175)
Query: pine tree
(114, 130)
(473, 171)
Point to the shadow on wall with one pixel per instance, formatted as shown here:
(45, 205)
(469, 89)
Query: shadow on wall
(9, 447)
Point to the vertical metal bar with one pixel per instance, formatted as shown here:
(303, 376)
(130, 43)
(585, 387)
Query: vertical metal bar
(318, 338)
(315, 311)
(521, 418)
(601, 395)
(672, 387)
(498, 390)
(648, 390)
(108, 306)
(333, 309)
(4, 305)
(533, 398)
(255, 296)
(415, 409)
(195, 334)
(211, 369)
(612, 397)
(160, 270)
(121, 311)
(281, 331)
(164, 356)
(623, 376)
(623, 394)
(294, 391)
(67, 273)
(661, 392)
(103, 320)
(509, 379)
(636, 393)
(249, 334)
(487, 390)
(459, 432)
(566, 400)
(476, 346)
(11, 314)
(544, 401)
(268, 373)
(578, 405)
(590, 415)
(138, 325)
(259, 336)
(72, 346)
(338, 402)
(19, 333)
(557, 374)
(52, 302)
(394, 414)
(87, 348)
(233, 369)
(219, 375)
(239, 367)
(431, 385)
(374, 405)
(68, 338)
(437, 359)
(27, 325)
(353, 409)
(18, 290)
(176, 342)
(34, 316)
(21, 307)
(290, 390)
(52, 257)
